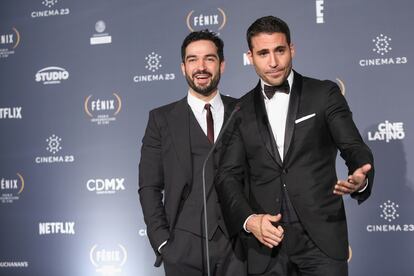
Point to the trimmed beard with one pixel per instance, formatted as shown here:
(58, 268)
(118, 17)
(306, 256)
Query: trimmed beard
(209, 89)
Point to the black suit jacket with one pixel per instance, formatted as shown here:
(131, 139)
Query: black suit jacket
(165, 169)
(308, 169)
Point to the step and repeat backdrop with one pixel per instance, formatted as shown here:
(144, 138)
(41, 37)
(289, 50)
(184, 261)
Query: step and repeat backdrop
(78, 78)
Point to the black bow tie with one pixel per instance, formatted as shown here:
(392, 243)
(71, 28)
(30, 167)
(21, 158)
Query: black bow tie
(271, 90)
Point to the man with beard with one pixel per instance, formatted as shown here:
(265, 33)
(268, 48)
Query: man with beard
(175, 145)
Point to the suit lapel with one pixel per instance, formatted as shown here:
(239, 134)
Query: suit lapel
(179, 125)
(292, 111)
(263, 125)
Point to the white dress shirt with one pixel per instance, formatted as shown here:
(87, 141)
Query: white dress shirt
(277, 110)
(217, 110)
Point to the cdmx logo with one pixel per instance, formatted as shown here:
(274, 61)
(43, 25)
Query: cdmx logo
(153, 62)
(108, 260)
(213, 20)
(389, 210)
(101, 110)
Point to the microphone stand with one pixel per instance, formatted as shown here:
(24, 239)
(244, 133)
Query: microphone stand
(223, 129)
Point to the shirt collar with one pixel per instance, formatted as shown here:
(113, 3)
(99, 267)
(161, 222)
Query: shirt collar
(197, 105)
(289, 79)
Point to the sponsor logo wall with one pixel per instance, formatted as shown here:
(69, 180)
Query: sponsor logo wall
(69, 156)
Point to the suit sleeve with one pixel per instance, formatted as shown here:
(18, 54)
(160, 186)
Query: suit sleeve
(151, 184)
(231, 180)
(348, 139)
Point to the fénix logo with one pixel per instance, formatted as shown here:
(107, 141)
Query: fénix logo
(214, 20)
(11, 112)
(389, 212)
(382, 47)
(108, 260)
(9, 41)
(66, 228)
(11, 188)
(52, 75)
(388, 131)
(106, 186)
(102, 111)
(52, 10)
(53, 146)
(319, 11)
(153, 64)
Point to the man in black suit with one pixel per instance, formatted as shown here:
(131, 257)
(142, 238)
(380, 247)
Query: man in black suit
(291, 215)
(176, 142)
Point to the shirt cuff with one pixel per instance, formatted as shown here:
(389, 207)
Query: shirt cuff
(159, 248)
(365, 187)
(245, 223)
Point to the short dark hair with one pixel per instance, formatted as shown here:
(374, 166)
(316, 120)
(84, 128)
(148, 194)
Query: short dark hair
(269, 25)
(203, 35)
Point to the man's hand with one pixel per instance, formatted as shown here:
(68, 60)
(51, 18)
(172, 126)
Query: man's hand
(262, 228)
(355, 182)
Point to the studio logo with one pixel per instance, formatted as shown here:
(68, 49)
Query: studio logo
(51, 75)
(51, 9)
(213, 19)
(319, 11)
(57, 228)
(100, 37)
(53, 146)
(11, 188)
(388, 211)
(387, 131)
(382, 48)
(103, 111)
(153, 64)
(108, 260)
(105, 186)
(9, 41)
(10, 113)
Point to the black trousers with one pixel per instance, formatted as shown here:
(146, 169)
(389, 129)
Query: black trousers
(184, 255)
(297, 255)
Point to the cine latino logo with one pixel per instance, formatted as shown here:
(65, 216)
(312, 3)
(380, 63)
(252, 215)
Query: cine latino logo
(388, 131)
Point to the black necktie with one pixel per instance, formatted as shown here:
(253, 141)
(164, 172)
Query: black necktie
(210, 124)
(271, 90)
